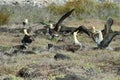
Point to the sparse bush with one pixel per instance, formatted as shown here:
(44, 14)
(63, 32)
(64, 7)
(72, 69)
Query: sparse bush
(12, 77)
(4, 16)
(79, 5)
(87, 9)
(83, 9)
(33, 13)
(106, 9)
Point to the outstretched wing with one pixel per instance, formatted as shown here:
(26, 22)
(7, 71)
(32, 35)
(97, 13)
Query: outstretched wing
(62, 18)
(107, 29)
(106, 41)
(83, 29)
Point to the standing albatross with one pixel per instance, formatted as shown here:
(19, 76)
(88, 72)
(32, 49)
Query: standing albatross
(76, 46)
(69, 47)
(27, 37)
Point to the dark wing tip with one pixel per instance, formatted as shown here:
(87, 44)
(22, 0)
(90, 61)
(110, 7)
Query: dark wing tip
(110, 18)
(110, 21)
(73, 9)
(67, 14)
(77, 29)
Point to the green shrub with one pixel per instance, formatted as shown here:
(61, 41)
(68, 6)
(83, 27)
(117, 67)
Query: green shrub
(4, 16)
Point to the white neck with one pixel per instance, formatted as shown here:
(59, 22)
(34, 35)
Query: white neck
(25, 32)
(51, 26)
(75, 39)
(99, 38)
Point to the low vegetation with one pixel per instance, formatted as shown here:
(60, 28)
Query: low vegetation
(4, 16)
(84, 9)
(90, 64)
(87, 9)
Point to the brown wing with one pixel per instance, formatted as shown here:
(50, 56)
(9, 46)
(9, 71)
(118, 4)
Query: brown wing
(107, 29)
(83, 29)
(106, 41)
(62, 18)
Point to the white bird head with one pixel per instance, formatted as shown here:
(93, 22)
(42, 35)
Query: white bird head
(93, 29)
(51, 26)
(25, 22)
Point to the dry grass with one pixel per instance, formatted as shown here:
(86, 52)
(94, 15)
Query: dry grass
(4, 16)
(91, 64)
(87, 9)
(101, 62)
(84, 9)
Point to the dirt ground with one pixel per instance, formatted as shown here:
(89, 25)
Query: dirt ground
(87, 64)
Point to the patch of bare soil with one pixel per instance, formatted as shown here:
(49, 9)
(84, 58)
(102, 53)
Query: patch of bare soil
(81, 65)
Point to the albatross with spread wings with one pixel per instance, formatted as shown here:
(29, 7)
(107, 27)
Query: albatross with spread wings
(101, 37)
(54, 29)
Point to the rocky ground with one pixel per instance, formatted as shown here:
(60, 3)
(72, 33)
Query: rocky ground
(39, 63)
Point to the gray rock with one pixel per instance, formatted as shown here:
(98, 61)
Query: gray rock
(59, 56)
(8, 78)
(118, 71)
(28, 72)
(71, 77)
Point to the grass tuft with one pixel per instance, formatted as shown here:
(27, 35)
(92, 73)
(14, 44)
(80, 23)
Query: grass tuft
(4, 16)
(87, 9)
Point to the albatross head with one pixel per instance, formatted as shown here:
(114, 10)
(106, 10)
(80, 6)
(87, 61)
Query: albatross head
(25, 22)
(93, 29)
